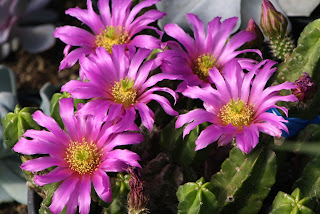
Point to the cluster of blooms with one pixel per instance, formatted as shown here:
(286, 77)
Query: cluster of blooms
(115, 78)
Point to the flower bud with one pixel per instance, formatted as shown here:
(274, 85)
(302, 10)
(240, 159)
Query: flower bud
(137, 199)
(254, 28)
(272, 22)
(306, 88)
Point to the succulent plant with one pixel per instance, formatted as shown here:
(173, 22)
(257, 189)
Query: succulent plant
(14, 15)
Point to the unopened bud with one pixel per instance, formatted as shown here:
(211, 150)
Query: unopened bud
(273, 23)
(306, 88)
(254, 28)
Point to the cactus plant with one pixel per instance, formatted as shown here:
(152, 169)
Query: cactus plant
(239, 173)
(305, 58)
(196, 198)
(291, 204)
(120, 190)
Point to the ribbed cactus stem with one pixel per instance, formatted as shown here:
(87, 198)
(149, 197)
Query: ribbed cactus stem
(281, 47)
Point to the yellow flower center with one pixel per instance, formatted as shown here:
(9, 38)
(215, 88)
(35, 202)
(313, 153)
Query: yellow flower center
(203, 64)
(111, 36)
(237, 113)
(123, 92)
(83, 158)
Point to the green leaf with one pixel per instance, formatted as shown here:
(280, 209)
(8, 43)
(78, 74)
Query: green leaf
(17, 123)
(291, 204)
(244, 180)
(196, 198)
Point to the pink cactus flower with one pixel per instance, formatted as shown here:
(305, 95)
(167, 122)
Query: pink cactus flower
(236, 107)
(82, 155)
(109, 28)
(196, 57)
(118, 83)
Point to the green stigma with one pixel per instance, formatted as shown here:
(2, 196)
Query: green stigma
(109, 32)
(82, 155)
(123, 92)
(203, 64)
(208, 60)
(236, 106)
(112, 35)
(126, 84)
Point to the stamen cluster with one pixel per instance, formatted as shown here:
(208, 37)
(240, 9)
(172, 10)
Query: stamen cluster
(112, 36)
(83, 157)
(203, 64)
(124, 93)
(237, 113)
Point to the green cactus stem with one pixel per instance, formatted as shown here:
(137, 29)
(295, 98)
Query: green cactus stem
(281, 47)
(120, 190)
(17, 123)
(305, 58)
(244, 180)
(196, 198)
(290, 204)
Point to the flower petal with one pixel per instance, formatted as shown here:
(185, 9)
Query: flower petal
(113, 165)
(104, 10)
(124, 155)
(66, 110)
(125, 138)
(88, 17)
(198, 29)
(146, 114)
(185, 39)
(165, 104)
(208, 136)
(74, 56)
(35, 146)
(62, 195)
(101, 183)
(74, 36)
(58, 174)
(84, 198)
(49, 123)
(248, 138)
(41, 163)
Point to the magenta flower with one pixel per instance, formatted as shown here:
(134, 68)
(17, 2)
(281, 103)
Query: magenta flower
(82, 155)
(119, 83)
(207, 50)
(108, 28)
(236, 108)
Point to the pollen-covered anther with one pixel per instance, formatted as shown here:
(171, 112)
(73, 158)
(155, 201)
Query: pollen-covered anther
(112, 36)
(203, 64)
(123, 92)
(237, 113)
(83, 157)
